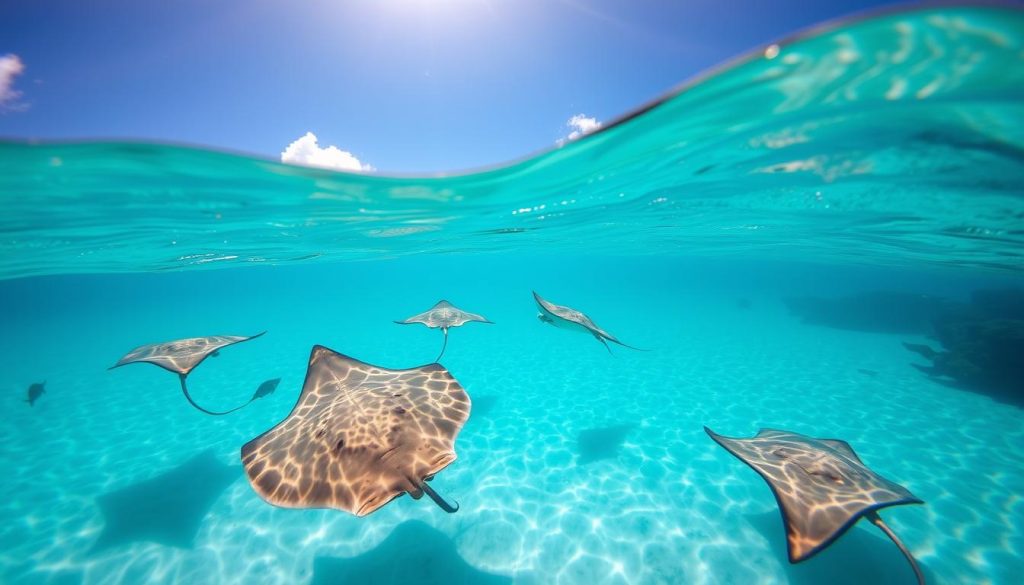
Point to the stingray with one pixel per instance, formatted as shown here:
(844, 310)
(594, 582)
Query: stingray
(359, 436)
(444, 315)
(182, 356)
(569, 318)
(821, 486)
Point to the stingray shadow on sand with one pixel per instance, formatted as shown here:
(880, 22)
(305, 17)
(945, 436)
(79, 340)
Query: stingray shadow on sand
(167, 509)
(603, 443)
(413, 554)
(858, 557)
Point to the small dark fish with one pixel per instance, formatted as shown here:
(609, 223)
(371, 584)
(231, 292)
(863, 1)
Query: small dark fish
(868, 372)
(34, 392)
(216, 353)
(267, 388)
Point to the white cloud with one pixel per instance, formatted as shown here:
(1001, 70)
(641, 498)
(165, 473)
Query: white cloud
(579, 125)
(306, 151)
(10, 67)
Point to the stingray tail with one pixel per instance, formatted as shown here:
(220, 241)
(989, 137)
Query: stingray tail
(444, 346)
(627, 345)
(184, 390)
(877, 521)
(605, 340)
(441, 503)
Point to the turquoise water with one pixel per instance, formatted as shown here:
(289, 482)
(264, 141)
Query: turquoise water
(882, 155)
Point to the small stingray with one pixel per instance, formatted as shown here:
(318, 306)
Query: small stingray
(266, 389)
(821, 486)
(444, 315)
(569, 318)
(359, 436)
(35, 391)
(182, 356)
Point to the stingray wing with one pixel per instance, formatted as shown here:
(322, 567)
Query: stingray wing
(437, 316)
(593, 328)
(563, 312)
(548, 306)
(427, 318)
(359, 436)
(459, 317)
(821, 486)
(183, 355)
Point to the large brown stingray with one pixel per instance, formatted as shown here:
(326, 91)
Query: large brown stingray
(822, 488)
(359, 436)
(569, 318)
(444, 315)
(182, 356)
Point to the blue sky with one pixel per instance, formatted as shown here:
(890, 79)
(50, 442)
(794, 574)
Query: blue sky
(404, 85)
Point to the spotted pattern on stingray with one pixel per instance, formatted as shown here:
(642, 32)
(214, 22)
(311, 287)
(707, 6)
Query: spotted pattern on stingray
(821, 486)
(359, 436)
(183, 355)
(444, 315)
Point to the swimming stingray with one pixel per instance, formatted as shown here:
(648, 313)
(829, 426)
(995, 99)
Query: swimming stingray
(569, 318)
(359, 436)
(444, 315)
(35, 391)
(821, 486)
(182, 356)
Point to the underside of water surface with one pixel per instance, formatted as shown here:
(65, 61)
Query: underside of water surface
(824, 236)
(891, 140)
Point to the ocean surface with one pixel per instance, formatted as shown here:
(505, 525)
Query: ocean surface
(781, 235)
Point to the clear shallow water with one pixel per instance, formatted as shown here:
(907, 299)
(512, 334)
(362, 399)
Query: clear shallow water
(684, 230)
(647, 498)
